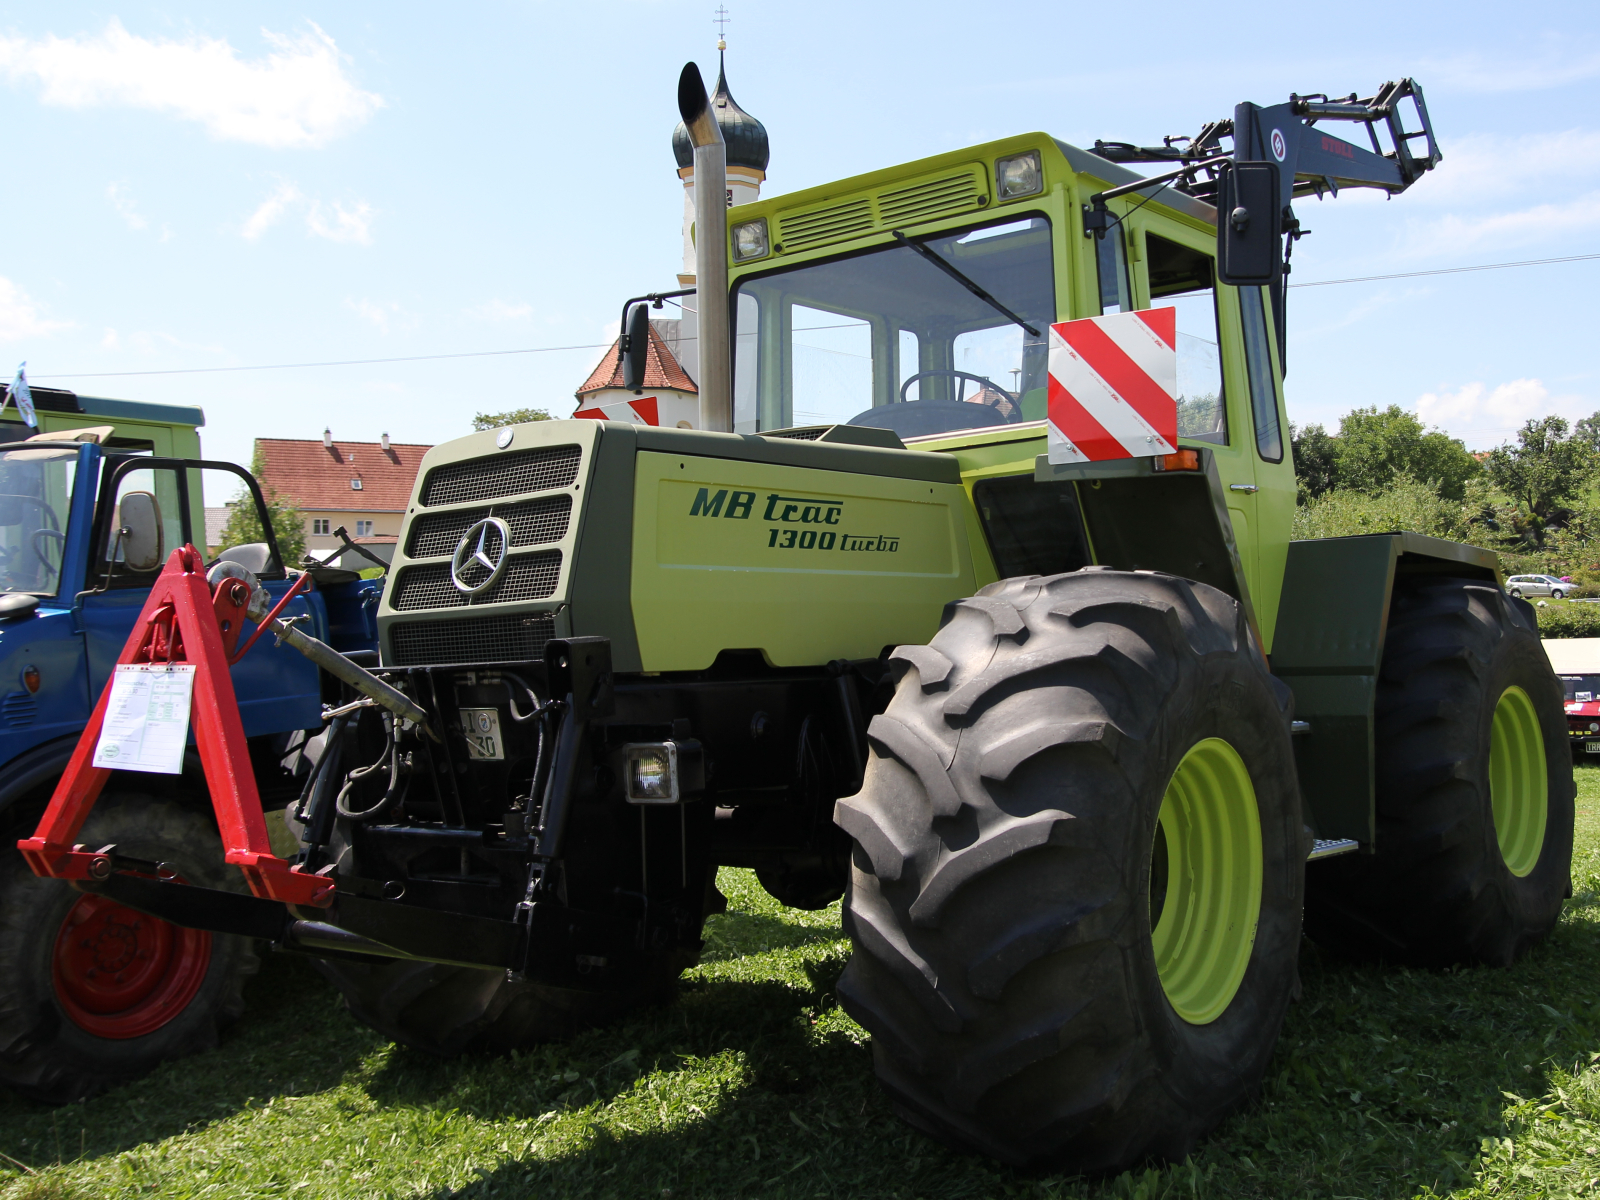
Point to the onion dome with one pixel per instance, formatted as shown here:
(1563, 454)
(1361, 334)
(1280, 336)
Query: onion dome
(745, 136)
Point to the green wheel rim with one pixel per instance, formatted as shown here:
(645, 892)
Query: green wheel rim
(1205, 889)
(1518, 789)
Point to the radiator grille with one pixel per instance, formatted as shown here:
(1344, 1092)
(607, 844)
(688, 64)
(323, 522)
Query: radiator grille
(906, 206)
(825, 225)
(532, 523)
(515, 638)
(526, 577)
(502, 475)
(19, 710)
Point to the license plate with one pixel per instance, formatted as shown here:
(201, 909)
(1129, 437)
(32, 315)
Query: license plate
(482, 729)
(1591, 747)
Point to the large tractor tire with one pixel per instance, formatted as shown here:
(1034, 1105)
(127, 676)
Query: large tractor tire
(1474, 790)
(93, 994)
(1078, 868)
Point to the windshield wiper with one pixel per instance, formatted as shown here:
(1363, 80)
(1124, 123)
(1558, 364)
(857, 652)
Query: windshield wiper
(972, 287)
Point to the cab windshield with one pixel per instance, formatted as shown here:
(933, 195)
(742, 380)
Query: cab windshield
(1581, 689)
(888, 338)
(35, 501)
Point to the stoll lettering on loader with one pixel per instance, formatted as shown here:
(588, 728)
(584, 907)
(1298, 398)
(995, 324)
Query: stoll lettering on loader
(1011, 649)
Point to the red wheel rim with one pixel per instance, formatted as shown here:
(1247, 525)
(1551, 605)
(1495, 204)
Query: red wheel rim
(123, 974)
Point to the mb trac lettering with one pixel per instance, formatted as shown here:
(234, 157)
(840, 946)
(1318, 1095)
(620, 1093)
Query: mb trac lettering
(708, 505)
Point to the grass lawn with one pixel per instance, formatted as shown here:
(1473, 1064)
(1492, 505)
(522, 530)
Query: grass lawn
(755, 1084)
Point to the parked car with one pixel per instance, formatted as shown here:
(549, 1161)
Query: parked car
(1538, 585)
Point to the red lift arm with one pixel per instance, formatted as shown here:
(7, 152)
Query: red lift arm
(181, 622)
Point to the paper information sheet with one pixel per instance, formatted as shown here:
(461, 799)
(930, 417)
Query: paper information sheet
(147, 719)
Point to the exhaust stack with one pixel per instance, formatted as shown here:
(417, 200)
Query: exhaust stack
(710, 251)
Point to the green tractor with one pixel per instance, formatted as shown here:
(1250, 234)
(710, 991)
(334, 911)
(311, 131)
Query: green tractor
(1065, 717)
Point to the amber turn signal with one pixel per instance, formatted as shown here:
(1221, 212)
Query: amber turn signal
(1183, 460)
(31, 679)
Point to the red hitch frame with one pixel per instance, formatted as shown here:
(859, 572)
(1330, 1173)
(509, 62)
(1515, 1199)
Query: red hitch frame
(181, 622)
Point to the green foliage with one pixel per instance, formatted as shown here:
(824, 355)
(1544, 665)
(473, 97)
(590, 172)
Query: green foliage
(1472, 1083)
(1407, 504)
(1375, 448)
(1588, 429)
(1543, 470)
(1564, 619)
(515, 416)
(1316, 465)
(244, 524)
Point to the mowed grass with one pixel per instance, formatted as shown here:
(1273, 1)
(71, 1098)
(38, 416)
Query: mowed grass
(755, 1084)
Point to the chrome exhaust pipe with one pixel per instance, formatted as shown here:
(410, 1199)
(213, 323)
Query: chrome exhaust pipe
(710, 251)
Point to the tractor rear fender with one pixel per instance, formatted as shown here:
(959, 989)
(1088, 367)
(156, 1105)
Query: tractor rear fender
(1140, 517)
(1332, 619)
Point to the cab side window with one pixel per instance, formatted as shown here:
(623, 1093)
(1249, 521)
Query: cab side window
(1181, 278)
(1263, 381)
(157, 492)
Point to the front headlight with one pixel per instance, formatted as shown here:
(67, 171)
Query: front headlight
(651, 773)
(750, 240)
(1019, 175)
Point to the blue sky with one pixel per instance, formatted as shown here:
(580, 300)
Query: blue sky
(198, 186)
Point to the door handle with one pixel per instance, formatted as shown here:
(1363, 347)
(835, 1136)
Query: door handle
(1243, 487)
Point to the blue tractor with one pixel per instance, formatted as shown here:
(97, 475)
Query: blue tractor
(91, 502)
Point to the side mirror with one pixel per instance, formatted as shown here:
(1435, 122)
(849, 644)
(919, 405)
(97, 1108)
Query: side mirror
(139, 519)
(1249, 237)
(637, 347)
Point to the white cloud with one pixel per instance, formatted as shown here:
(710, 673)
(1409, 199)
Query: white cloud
(378, 314)
(295, 95)
(1454, 233)
(343, 224)
(500, 310)
(123, 203)
(271, 210)
(20, 318)
(1485, 416)
(336, 223)
(1483, 166)
(1504, 72)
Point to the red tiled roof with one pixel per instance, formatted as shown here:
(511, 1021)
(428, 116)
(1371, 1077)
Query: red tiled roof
(661, 370)
(318, 479)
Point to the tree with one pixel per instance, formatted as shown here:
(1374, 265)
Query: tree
(1316, 466)
(515, 416)
(1375, 448)
(1544, 469)
(288, 524)
(1589, 430)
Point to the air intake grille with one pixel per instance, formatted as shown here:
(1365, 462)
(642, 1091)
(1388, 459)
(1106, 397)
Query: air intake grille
(825, 225)
(532, 523)
(526, 577)
(514, 638)
(906, 206)
(502, 475)
(19, 710)
(809, 434)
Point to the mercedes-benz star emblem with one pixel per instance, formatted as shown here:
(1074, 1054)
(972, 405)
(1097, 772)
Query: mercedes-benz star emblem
(480, 556)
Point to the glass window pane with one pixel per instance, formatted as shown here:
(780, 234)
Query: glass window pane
(832, 366)
(35, 502)
(1201, 414)
(1111, 260)
(864, 326)
(1263, 387)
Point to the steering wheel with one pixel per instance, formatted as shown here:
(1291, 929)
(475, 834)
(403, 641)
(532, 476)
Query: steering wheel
(981, 380)
(48, 535)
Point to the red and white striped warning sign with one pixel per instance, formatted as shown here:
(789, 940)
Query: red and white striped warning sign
(1113, 386)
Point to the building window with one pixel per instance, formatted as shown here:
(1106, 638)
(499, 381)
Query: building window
(355, 485)
(363, 528)
(319, 526)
